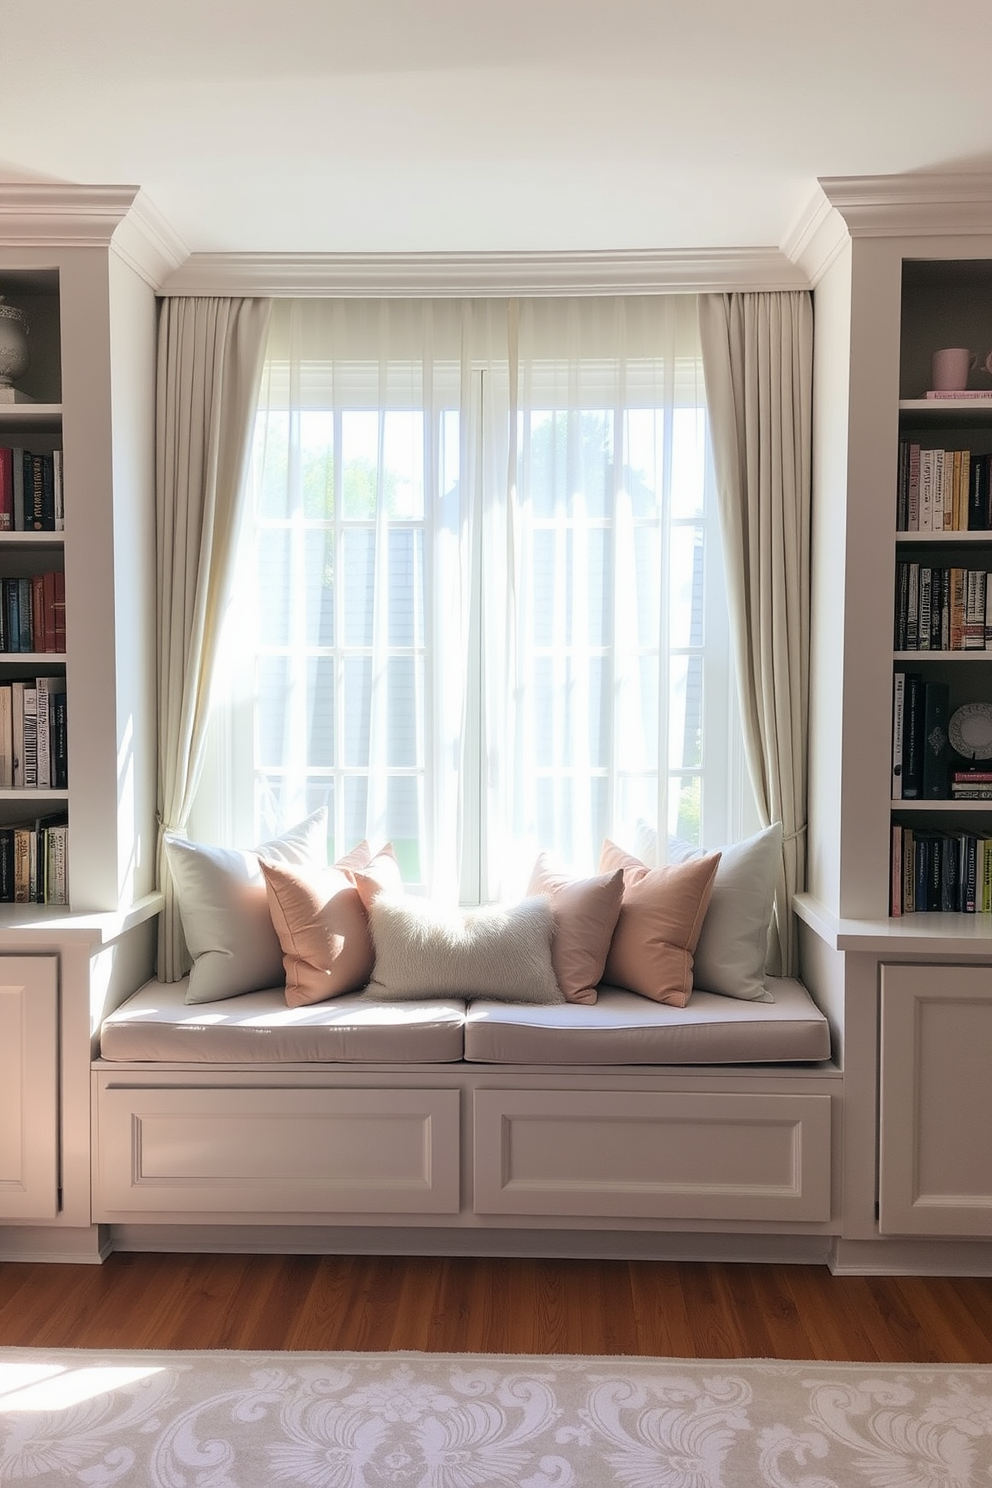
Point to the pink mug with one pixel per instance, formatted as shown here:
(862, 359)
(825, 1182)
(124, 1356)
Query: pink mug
(951, 366)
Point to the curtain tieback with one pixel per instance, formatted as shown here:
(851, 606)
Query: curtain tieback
(792, 836)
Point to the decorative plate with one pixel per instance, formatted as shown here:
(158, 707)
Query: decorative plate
(970, 731)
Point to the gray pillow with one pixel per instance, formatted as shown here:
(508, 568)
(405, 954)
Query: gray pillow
(224, 908)
(500, 951)
(733, 943)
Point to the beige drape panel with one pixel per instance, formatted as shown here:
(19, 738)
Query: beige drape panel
(209, 369)
(757, 360)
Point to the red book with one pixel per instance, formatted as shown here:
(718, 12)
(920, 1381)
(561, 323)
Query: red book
(37, 613)
(6, 490)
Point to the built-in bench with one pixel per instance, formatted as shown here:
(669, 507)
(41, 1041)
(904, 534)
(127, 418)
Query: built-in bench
(625, 1114)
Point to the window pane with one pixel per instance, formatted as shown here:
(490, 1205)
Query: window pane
(319, 543)
(405, 688)
(685, 586)
(357, 703)
(317, 464)
(273, 704)
(274, 586)
(685, 712)
(320, 711)
(359, 587)
(360, 464)
(406, 586)
(403, 822)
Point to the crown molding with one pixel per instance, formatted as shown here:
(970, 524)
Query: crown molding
(147, 243)
(906, 205)
(42, 214)
(441, 275)
(816, 239)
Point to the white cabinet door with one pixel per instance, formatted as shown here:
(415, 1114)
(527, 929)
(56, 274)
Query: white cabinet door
(29, 1156)
(935, 1129)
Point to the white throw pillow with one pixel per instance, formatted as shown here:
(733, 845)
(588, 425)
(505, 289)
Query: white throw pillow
(224, 908)
(733, 943)
(499, 951)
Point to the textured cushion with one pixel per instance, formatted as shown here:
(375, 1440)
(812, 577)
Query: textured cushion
(498, 951)
(225, 910)
(323, 930)
(624, 1029)
(157, 1024)
(733, 943)
(660, 919)
(585, 912)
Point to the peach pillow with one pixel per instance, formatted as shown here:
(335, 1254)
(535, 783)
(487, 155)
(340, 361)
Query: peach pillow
(323, 931)
(377, 875)
(660, 918)
(584, 912)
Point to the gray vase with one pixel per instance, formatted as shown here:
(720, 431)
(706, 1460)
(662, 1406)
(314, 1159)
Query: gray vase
(15, 357)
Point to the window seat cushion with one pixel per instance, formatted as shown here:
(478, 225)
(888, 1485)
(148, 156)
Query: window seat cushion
(157, 1025)
(624, 1028)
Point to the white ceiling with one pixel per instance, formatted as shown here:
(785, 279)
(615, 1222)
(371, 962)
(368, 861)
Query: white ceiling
(414, 126)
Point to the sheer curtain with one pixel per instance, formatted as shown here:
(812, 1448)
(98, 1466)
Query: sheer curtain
(479, 602)
(595, 623)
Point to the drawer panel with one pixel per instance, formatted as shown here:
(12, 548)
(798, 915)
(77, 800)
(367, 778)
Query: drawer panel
(672, 1155)
(305, 1151)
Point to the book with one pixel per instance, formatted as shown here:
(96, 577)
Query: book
(912, 755)
(57, 863)
(898, 703)
(44, 714)
(6, 738)
(17, 733)
(22, 865)
(895, 890)
(913, 488)
(59, 494)
(6, 489)
(969, 395)
(58, 611)
(34, 498)
(30, 736)
(936, 747)
(60, 743)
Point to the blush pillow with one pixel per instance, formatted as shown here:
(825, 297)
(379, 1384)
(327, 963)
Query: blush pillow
(661, 915)
(497, 951)
(733, 943)
(323, 931)
(224, 908)
(585, 912)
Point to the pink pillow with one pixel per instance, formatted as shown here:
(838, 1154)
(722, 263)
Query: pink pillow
(584, 912)
(661, 916)
(377, 875)
(323, 931)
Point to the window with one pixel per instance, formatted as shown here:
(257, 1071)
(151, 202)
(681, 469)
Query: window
(479, 605)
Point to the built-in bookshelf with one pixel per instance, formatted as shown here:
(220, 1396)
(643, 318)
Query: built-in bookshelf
(34, 769)
(941, 808)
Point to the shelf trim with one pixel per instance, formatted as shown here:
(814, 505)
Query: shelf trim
(931, 934)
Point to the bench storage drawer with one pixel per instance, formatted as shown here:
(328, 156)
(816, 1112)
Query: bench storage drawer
(224, 1151)
(653, 1155)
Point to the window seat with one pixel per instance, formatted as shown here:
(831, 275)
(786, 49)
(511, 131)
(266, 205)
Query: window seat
(356, 1123)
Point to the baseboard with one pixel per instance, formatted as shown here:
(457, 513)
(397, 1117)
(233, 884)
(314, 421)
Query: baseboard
(88, 1246)
(909, 1257)
(430, 1241)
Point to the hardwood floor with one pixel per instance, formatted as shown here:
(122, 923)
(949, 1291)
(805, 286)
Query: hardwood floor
(495, 1306)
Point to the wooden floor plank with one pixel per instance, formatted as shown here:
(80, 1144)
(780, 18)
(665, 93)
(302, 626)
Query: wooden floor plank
(507, 1305)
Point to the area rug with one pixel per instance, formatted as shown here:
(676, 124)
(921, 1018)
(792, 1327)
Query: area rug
(408, 1420)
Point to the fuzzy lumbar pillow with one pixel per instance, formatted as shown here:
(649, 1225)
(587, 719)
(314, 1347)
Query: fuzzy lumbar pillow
(498, 951)
(224, 908)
